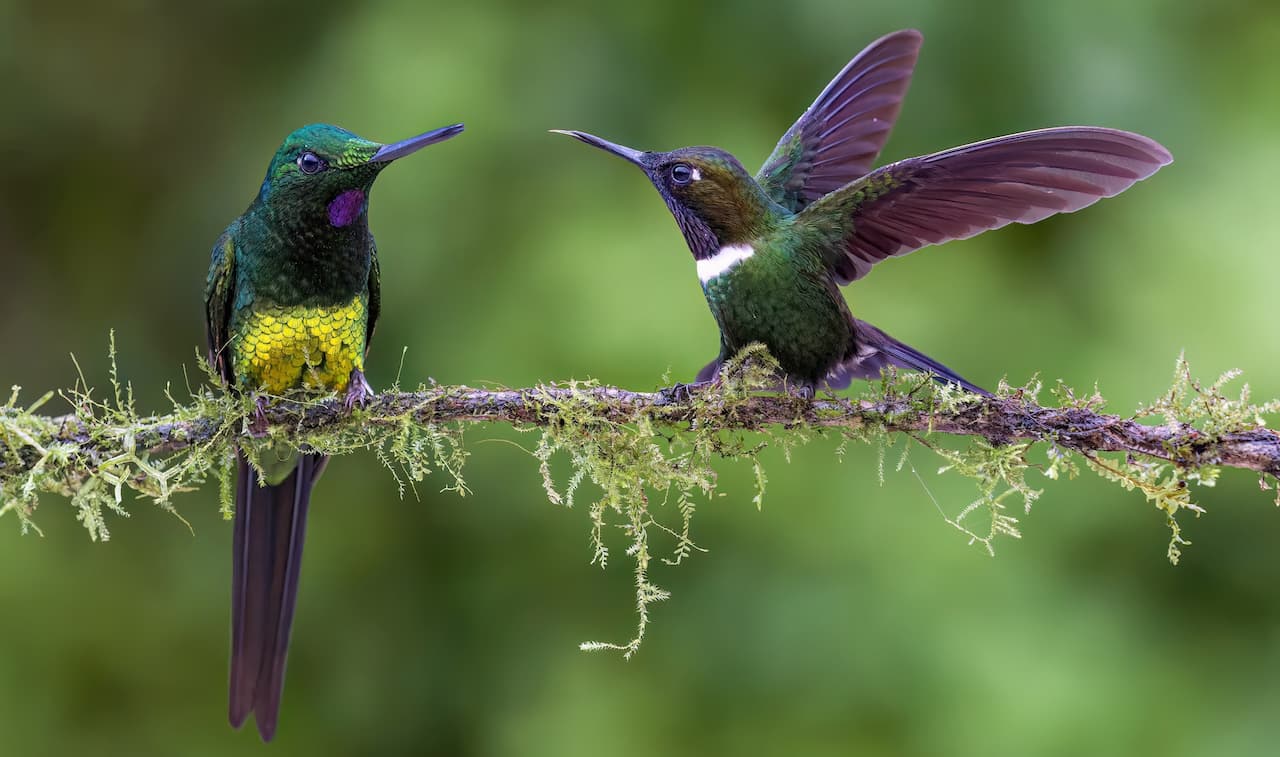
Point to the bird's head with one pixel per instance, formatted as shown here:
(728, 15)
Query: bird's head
(713, 198)
(325, 172)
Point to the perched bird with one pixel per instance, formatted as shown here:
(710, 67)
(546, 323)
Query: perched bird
(290, 304)
(773, 250)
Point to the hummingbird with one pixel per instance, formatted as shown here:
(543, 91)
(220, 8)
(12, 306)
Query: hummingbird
(772, 250)
(291, 302)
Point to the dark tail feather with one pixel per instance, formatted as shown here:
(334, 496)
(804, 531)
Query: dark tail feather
(270, 524)
(877, 350)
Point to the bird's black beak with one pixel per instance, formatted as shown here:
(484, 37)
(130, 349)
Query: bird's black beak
(388, 153)
(626, 153)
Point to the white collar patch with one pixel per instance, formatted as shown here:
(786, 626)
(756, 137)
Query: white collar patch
(725, 258)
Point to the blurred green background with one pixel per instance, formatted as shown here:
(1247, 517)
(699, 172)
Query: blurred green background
(846, 617)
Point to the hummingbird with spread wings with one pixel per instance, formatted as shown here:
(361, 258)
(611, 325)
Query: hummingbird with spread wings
(773, 250)
(291, 301)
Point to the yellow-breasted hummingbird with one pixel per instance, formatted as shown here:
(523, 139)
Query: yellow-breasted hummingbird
(291, 302)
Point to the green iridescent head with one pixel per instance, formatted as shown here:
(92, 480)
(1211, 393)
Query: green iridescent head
(713, 198)
(322, 168)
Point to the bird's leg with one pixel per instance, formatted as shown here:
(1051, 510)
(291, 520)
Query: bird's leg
(806, 392)
(803, 390)
(358, 391)
(258, 425)
(680, 393)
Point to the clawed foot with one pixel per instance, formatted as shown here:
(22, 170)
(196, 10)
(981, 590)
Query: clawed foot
(806, 392)
(680, 393)
(258, 425)
(358, 391)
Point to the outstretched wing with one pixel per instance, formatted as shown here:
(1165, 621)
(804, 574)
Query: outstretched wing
(964, 191)
(839, 136)
(218, 294)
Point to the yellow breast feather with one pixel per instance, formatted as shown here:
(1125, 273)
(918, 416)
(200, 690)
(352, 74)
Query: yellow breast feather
(279, 349)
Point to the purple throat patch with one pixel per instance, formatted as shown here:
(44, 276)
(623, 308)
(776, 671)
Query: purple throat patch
(346, 207)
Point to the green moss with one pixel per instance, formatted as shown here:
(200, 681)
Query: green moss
(648, 468)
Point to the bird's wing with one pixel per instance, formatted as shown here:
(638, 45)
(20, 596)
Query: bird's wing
(375, 295)
(839, 136)
(964, 191)
(218, 295)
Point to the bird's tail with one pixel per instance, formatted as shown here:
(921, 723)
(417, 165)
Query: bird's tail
(270, 522)
(876, 350)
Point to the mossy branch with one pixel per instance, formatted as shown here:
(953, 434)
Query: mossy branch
(999, 420)
(644, 450)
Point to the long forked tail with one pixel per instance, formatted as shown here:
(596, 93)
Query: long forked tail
(270, 524)
(876, 350)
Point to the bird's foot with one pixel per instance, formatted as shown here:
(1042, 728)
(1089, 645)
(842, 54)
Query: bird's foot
(258, 424)
(680, 393)
(358, 391)
(806, 392)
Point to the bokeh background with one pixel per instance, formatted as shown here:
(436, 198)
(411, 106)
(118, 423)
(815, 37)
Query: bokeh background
(845, 617)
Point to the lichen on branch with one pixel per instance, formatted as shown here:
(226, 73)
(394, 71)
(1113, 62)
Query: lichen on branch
(649, 456)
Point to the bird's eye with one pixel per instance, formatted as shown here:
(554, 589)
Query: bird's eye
(682, 173)
(310, 163)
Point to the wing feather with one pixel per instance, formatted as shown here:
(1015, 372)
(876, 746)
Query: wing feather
(964, 191)
(218, 297)
(375, 295)
(838, 138)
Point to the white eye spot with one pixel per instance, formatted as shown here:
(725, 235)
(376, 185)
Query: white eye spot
(697, 175)
(725, 258)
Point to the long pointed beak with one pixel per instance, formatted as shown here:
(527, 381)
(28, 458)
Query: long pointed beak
(388, 153)
(626, 153)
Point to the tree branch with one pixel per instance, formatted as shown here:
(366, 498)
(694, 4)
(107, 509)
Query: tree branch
(631, 445)
(1000, 421)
